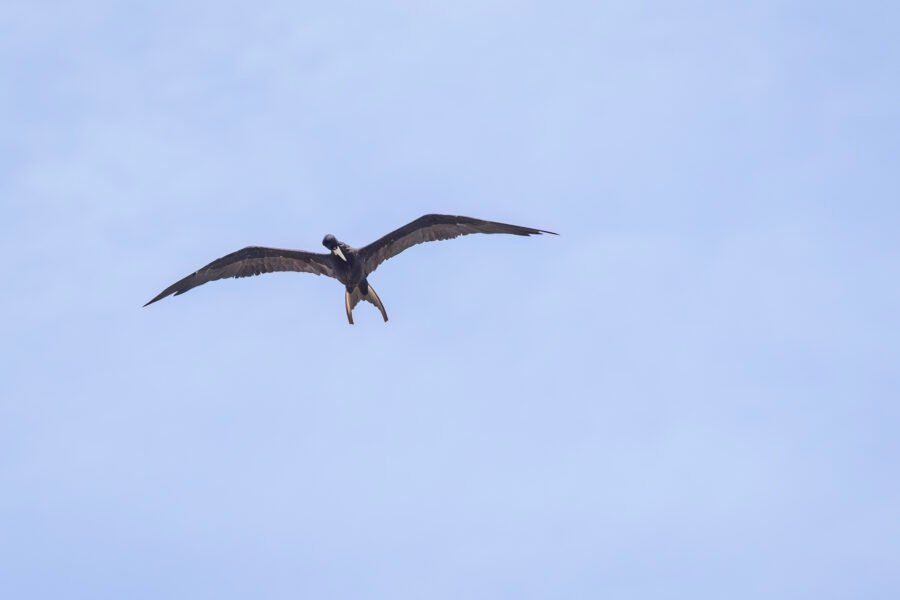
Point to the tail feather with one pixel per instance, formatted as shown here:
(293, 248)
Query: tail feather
(348, 305)
(372, 297)
(356, 296)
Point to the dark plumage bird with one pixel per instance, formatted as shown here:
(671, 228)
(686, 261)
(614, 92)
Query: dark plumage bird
(351, 266)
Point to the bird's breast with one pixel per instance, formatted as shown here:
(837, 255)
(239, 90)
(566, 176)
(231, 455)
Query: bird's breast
(351, 271)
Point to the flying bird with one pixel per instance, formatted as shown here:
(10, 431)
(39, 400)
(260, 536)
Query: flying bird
(351, 266)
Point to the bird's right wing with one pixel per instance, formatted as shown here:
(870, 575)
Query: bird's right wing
(253, 260)
(431, 228)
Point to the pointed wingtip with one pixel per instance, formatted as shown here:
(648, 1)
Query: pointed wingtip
(156, 299)
(533, 231)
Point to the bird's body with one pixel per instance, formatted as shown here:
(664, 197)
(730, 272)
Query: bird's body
(351, 266)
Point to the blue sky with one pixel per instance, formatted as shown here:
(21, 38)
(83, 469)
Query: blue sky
(691, 393)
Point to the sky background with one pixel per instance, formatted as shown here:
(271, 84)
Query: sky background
(691, 393)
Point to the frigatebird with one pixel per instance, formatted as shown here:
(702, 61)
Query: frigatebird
(351, 266)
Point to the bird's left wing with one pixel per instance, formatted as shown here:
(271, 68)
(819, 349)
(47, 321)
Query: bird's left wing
(253, 260)
(431, 228)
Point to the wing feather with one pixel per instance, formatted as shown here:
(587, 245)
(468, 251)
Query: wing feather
(253, 260)
(432, 228)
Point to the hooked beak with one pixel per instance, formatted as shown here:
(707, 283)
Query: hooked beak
(338, 252)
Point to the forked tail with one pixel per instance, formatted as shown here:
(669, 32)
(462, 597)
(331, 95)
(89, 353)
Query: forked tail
(351, 299)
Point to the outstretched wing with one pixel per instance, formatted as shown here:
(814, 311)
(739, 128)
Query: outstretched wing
(431, 228)
(253, 260)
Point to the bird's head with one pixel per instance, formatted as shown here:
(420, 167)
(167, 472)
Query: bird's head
(334, 245)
